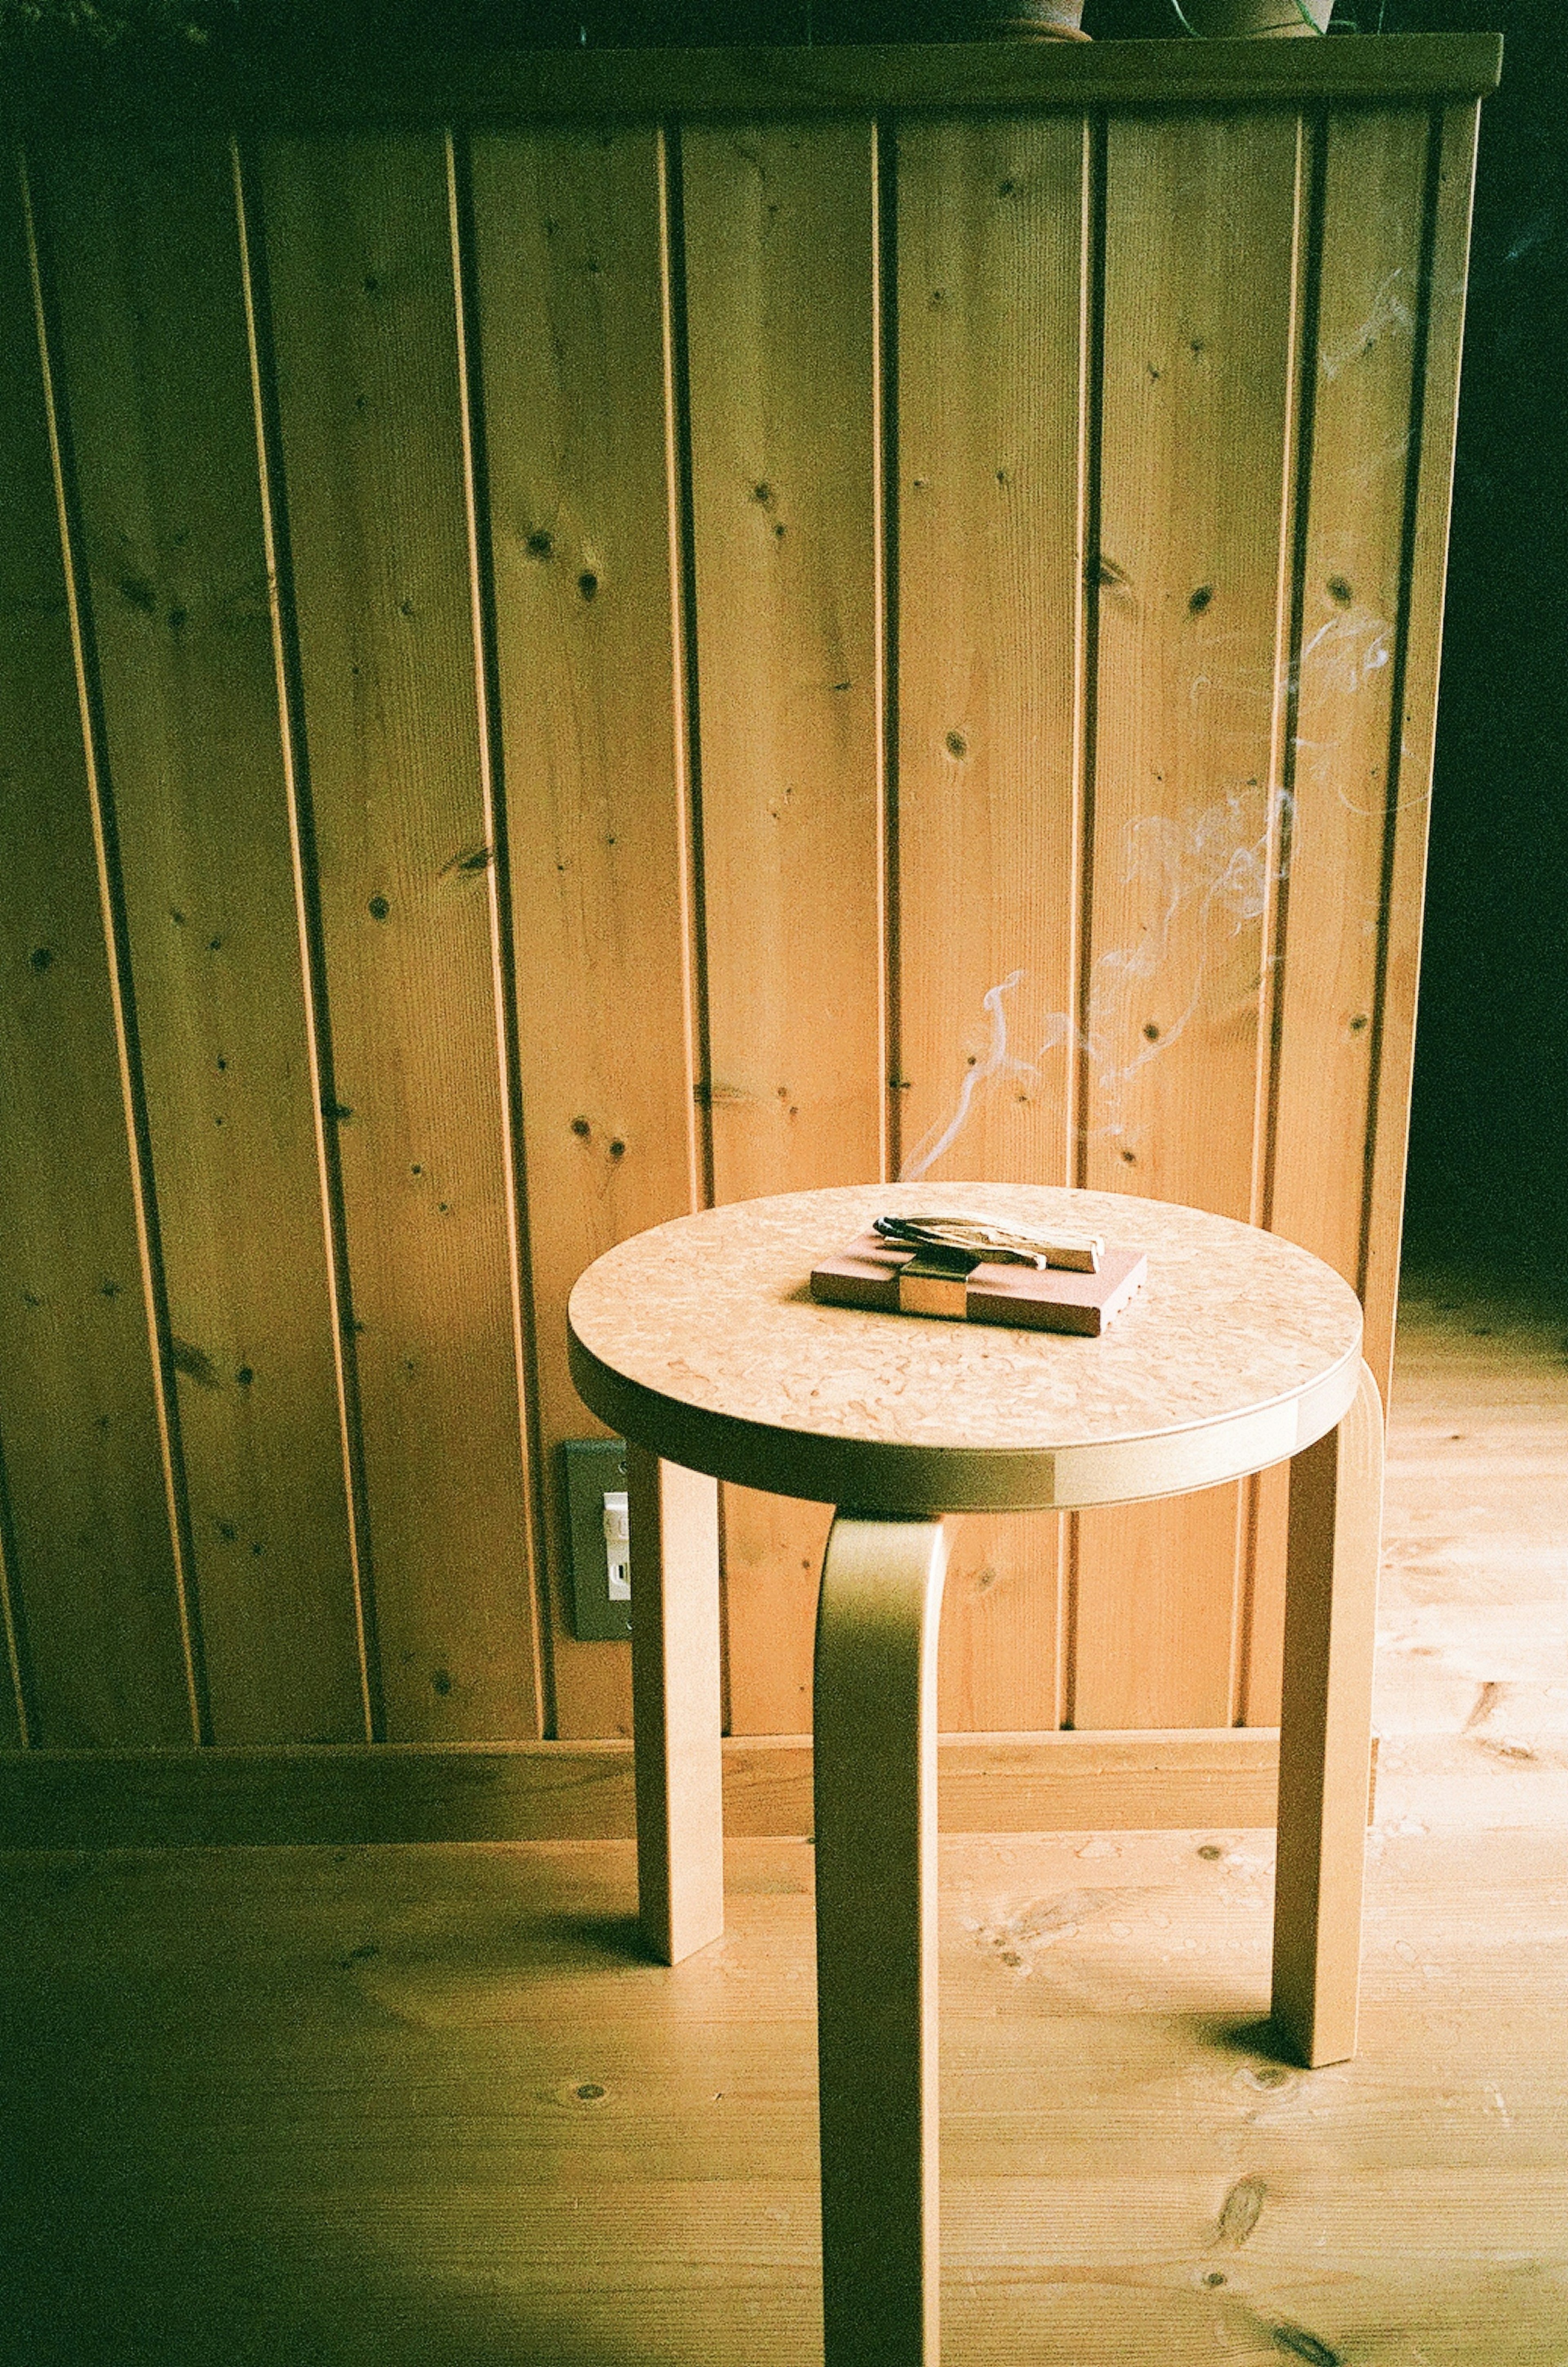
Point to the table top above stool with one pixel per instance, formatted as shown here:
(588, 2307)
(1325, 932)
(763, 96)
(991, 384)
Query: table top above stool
(700, 1341)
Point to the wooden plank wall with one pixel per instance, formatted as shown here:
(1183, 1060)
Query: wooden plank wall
(556, 675)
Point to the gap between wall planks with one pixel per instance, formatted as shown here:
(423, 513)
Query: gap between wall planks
(146, 265)
(1429, 488)
(571, 254)
(782, 285)
(993, 438)
(92, 1595)
(365, 319)
(412, 427)
(1199, 372)
(1355, 441)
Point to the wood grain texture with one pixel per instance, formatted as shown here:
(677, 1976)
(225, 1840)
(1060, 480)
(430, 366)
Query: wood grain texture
(773, 1566)
(1004, 1631)
(1203, 245)
(91, 1576)
(781, 320)
(147, 264)
(700, 1341)
(1155, 1612)
(876, 1858)
(993, 223)
(780, 258)
(1330, 1634)
(1472, 1655)
(575, 368)
(474, 1019)
(677, 1693)
(360, 259)
(447, 2113)
(1397, 230)
(1368, 328)
(1357, 385)
(354, 1795)
(1451, 190)
(993, 290)
(1200, 296)
(1261, 1657)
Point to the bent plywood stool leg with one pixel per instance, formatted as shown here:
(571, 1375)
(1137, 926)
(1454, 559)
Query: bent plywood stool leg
(676, 1712)
(1325, 1731)
(876, 1880)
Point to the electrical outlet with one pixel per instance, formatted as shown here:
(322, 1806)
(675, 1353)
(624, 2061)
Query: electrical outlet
(600, 1548)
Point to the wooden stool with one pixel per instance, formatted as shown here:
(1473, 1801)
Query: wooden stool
(701, 1343)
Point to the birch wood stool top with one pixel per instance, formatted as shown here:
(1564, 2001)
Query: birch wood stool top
(701, 1343)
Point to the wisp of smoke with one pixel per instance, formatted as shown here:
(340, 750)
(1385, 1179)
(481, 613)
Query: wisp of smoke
(1213, 862)
(995, 1064)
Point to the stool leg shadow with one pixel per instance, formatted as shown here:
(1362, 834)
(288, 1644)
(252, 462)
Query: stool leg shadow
(1325, 1733)
(876, 1976)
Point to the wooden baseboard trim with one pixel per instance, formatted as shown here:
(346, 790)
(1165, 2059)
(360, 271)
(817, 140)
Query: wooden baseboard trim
(351, 1795)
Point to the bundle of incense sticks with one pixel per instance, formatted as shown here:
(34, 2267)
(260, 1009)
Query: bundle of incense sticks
(974, 1239)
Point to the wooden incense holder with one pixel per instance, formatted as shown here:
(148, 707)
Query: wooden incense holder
(876, 1274)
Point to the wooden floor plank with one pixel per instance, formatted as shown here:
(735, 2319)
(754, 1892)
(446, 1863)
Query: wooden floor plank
(448, 2113)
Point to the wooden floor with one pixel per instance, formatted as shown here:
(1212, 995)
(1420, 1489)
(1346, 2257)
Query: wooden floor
(428, 2105)
(1471, 1701)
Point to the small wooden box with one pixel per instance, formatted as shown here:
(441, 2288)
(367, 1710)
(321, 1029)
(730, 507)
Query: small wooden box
(1027, 1298)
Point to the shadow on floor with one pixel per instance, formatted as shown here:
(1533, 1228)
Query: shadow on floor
(311, 2110)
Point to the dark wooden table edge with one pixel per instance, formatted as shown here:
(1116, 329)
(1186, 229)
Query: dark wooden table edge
(654, 86)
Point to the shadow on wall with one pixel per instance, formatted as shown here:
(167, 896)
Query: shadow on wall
(1489, 1138)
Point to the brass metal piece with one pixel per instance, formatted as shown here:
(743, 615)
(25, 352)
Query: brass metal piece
(931, 1289)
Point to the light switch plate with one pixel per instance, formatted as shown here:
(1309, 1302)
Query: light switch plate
(596, 1469)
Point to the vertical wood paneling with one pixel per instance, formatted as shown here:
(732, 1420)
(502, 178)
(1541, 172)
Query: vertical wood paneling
(1361, 370)
(1201, 299)
(782, 278)
(90, 1565)
(1453, 183)
(1199, 303)
(360, 262)
(557, 990)
(1359, 384)
(146, 256)
(569, 248)
(993, 221)
(992, 241)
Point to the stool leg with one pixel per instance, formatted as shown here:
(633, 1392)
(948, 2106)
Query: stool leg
(876, 2006)
(1325, 1731)
(676, 1715)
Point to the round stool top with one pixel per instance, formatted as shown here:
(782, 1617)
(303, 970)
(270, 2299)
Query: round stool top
(700, 1341)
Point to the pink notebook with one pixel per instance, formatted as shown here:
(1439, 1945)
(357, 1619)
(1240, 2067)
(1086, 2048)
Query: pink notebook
(1028, 1299)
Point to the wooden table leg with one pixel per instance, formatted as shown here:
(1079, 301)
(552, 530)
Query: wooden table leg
(676, 1711)
(875, 1801)
(1325, 1731)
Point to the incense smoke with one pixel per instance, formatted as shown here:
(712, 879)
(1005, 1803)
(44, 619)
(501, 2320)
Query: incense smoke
(1196, 871)
(996, 1063)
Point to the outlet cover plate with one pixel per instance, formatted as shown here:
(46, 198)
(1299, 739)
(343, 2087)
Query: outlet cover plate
(595, 1467)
